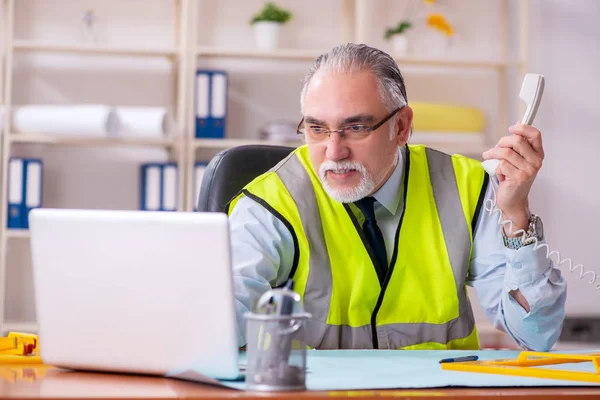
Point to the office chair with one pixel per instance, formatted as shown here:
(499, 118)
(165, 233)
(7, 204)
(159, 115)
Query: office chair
(230, 170)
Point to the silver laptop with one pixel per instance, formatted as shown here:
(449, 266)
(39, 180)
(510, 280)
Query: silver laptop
(134, 291)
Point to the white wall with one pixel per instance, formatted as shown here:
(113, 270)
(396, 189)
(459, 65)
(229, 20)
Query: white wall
(563, 48)
(566, 193)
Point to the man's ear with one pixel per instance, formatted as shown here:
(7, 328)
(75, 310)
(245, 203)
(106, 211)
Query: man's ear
(403, 125)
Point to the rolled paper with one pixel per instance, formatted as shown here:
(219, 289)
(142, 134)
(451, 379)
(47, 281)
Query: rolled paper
(79, 120)
(144, 121)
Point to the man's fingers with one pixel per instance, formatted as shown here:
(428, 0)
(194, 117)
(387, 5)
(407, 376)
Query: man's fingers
(533, 136)
(523, 148)
(511, 156)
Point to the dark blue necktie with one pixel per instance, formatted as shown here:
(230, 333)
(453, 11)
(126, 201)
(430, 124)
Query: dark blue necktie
(372, 231)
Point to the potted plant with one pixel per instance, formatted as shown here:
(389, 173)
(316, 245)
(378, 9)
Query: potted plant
(398, 36)
(266, 25)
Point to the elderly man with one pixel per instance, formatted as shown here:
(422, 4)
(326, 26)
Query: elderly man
(381, 237)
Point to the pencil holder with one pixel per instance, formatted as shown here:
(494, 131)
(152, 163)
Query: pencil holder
(275, 347)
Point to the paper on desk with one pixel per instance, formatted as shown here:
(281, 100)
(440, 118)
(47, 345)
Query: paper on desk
(404, 369)
(195, 376)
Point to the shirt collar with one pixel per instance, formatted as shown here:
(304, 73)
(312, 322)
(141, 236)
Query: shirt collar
(390, 193)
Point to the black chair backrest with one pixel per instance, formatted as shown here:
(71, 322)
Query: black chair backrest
(230, 170)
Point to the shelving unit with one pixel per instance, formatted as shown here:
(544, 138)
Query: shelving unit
(186, 54)
(178, 55)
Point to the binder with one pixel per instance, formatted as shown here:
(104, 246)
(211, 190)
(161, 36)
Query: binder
(33, 188)
(15, 193)
(202, 103)
(24, 190)
(211, 103)
(218, 104)
(151, 187)
(199, 168)
(169, 187)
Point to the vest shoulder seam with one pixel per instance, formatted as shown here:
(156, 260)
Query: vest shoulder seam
(272, 171)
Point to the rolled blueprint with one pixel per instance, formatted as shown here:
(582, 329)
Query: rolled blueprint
(144, 121)
(80, 120)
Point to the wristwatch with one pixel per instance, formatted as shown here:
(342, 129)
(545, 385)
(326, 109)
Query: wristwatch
(534, 233)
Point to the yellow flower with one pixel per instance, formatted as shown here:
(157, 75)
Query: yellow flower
(437, 21)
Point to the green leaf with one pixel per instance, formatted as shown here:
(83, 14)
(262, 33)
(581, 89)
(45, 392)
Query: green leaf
(271, 12)
(400, 28)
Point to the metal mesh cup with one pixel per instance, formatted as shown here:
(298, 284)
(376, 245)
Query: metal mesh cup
(276, 350)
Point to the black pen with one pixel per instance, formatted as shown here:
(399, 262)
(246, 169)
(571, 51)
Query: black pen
(459, 359)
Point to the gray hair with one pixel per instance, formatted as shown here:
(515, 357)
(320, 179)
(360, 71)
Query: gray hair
(353, 57)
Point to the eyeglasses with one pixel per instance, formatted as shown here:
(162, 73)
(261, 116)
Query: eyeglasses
(316, 133)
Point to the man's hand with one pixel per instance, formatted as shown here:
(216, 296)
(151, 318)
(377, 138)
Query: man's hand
(521, 155)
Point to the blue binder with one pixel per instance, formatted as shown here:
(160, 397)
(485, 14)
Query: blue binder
(151, 186)
(158, 186)
(16, 193)
(24, 190)
(169, 183)
(211, 103)
(32, 194)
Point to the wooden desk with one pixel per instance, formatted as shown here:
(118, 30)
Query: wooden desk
(40, 382)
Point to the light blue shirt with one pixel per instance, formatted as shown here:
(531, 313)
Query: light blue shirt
(263, 251)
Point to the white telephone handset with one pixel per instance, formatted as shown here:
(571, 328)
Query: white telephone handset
(531, 92)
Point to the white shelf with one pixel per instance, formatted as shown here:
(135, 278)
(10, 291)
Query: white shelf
(40, 138)
(23, 327)
(27, 45)
(309, 55)
(13, 233)
(226, 143)
(457, 63)
(285, 54)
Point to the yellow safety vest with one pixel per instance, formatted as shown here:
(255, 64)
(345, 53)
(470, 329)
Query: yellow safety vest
(422, 302)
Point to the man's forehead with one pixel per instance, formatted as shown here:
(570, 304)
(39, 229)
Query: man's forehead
(330, 75)
(332, 95)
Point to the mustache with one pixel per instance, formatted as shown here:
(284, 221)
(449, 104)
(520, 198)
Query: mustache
(337, 166)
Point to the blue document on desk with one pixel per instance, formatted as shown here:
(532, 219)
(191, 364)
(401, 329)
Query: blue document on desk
(408, 369)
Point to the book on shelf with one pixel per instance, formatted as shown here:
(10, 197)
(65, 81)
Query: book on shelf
(24, 190)
(211, 103)
(159, 186)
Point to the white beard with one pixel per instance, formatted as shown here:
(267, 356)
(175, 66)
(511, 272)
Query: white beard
(365, 186)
